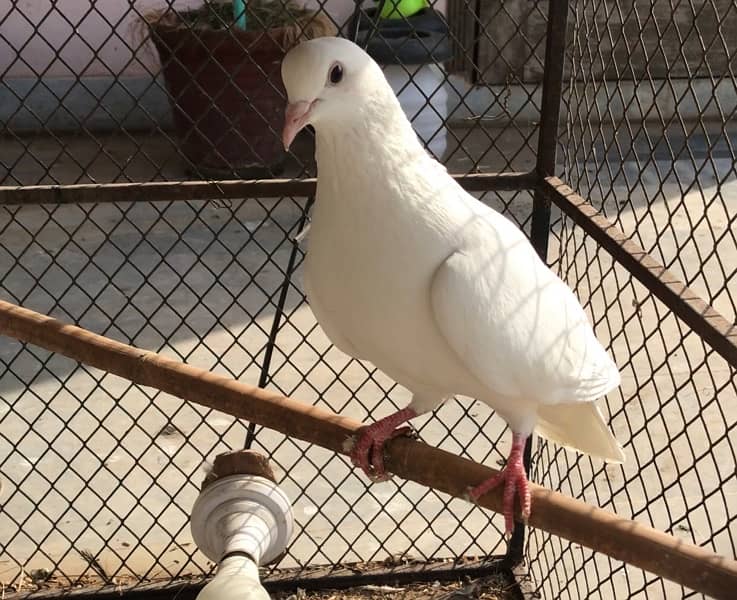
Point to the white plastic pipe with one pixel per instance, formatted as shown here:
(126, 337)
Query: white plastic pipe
(236, 579)
(240, 522)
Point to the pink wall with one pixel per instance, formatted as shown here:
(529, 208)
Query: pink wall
(77, 29)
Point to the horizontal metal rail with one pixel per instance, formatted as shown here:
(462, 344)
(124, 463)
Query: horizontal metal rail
(622, 539)
(706, 322)
(334, 577)
(163, 191)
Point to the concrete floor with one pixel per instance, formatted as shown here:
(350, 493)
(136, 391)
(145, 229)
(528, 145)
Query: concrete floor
(92, 463)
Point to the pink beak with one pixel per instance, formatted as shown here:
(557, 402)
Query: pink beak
(295, 118)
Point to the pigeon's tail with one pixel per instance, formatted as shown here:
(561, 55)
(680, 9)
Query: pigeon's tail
(580, 427)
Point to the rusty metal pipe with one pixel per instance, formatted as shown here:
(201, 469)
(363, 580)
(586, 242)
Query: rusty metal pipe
(686, 304)
(622, 539)
(165, 191)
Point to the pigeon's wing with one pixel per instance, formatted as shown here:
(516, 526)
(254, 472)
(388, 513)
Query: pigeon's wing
(522, 333)
(517, 327)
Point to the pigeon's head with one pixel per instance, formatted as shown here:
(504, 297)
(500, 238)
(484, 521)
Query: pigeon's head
(328, 81)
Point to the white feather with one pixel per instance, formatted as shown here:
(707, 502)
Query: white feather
(580, 427)
(442, 293)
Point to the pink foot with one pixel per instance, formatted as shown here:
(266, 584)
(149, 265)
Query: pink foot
(515, 481)
(368, 450)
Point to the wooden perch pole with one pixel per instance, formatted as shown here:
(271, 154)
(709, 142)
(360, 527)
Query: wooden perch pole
(622, 539)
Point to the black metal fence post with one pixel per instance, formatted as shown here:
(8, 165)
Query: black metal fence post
(552, 89)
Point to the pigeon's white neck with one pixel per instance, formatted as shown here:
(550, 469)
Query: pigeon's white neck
(375, 143)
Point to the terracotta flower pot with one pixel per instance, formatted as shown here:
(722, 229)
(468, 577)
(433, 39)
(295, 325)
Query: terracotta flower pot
(227, 96)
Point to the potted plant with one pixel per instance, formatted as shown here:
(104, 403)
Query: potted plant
(221, 65)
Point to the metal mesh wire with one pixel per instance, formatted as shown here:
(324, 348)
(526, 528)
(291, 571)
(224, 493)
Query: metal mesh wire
(119, 90)
(648, 140)
(93, 466)
(94, 463)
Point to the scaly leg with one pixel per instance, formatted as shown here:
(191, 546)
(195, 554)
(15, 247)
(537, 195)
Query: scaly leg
(368, 450)
(515, 481)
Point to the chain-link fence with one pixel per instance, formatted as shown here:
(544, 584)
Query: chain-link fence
(648, 139)
(99, 474)
(96, 468)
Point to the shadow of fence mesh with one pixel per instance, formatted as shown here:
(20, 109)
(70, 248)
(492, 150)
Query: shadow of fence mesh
(94, 466)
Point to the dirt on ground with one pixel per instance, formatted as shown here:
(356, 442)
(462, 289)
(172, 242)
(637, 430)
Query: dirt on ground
(494, 587)
(38, 585)
(486, 588)
(497, 586)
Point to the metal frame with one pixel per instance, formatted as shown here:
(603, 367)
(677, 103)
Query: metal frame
(709, 324)
(342, 578)
(167, 191)
(712, 327)
(565, 517)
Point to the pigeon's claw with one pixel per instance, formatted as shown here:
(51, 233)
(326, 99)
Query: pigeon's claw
(368, 450)
(515, 484)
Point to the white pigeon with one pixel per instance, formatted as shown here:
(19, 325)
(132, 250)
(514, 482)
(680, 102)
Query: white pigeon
(406, 270)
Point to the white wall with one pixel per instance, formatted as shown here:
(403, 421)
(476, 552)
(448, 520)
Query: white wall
(76, 29)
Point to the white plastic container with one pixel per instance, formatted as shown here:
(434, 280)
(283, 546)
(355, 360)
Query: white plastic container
(240, 522)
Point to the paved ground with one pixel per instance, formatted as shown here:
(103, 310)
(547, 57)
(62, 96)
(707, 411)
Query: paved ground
(127, 456)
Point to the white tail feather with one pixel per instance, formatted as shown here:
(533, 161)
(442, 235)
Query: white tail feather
(579, 427)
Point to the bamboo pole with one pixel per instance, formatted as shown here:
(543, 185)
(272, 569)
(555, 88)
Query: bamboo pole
(622, 539)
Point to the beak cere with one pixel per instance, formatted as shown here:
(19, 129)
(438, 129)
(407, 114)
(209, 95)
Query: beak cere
(295, 118)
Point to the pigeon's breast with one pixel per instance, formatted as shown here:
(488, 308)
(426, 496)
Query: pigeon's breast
(368, 281)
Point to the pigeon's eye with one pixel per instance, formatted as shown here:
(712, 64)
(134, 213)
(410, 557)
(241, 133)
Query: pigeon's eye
(336, 74)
